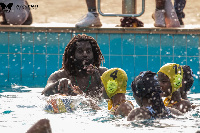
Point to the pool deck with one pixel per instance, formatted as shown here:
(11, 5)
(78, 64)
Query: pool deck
(106, 28)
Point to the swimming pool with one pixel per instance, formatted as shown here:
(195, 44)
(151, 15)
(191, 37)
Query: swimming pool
(23, 106)
(28, 55)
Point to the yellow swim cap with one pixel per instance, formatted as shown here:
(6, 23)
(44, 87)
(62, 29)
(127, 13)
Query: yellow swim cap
(175, 74)
(114, 81)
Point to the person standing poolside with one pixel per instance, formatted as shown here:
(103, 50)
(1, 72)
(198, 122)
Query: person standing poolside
(115, 83)
(80, 69)
(41, 126)
(146, 91)
(170, 77)
(159, 15)
(13, 12)
(92, 19)
(179, 5)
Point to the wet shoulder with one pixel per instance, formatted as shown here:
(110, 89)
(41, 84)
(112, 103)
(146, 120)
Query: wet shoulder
(102, 70)
(58, 75)
(175, 111)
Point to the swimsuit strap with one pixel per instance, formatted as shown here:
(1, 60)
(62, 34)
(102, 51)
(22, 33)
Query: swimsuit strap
(110, 104)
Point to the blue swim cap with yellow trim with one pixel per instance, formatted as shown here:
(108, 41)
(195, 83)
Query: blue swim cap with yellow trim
(114, 81)
(174, 73)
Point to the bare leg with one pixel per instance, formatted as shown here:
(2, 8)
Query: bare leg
(171, 18)
(4, 22)
(91, 5)
(160, 4)
(159, 15)
(42, 126)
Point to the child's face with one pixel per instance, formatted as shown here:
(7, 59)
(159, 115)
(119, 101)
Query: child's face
(165, 84)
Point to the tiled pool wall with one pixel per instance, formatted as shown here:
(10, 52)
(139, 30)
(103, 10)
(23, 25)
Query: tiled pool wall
(28, 58)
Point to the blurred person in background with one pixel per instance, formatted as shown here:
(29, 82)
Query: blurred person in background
(179, 5)
(15, 12)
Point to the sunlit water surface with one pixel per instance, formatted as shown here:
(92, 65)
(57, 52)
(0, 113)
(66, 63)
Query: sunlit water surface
(21, 107)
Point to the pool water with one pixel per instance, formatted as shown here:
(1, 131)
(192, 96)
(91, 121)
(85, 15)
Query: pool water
(21, 107)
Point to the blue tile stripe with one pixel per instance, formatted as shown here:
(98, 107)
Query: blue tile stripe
(33, 56)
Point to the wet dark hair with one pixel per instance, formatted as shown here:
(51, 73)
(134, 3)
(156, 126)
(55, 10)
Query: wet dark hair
(146, 85)
(69, 53)
(187, 77)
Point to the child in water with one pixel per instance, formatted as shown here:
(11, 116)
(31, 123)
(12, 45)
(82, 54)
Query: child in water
(146, 91)
(188, 81)
(115, 83)
(170, 77)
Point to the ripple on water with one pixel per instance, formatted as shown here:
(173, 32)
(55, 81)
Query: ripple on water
(22, 109)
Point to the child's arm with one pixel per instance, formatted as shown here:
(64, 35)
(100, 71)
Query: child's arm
(175, 111)
(138, 114)
(123, 110)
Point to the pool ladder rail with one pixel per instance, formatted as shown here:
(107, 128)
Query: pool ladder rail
(128, 9)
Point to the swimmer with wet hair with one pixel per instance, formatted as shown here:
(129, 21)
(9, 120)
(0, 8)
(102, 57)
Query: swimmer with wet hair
(188, 81)
(170, 77)
(146, 91)
(115, 83)
(80, 70)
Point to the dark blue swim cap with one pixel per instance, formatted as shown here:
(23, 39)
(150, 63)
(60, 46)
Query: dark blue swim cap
(145, 83)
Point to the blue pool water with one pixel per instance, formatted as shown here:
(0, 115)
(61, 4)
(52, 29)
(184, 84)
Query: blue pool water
(20, 107)
(28, 58)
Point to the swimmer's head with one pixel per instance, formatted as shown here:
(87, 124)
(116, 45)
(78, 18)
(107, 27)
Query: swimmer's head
(146, 86)
(69, 60)
(175, 74)
(114, 81)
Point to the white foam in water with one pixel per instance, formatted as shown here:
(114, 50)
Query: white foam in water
(20, 110)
